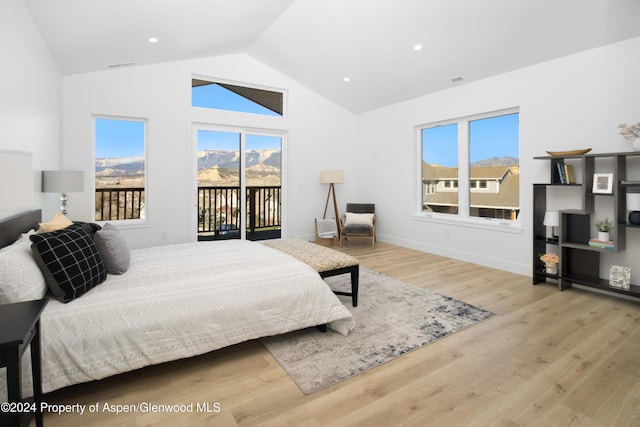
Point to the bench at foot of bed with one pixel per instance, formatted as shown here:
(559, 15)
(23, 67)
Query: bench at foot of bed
(327, 262)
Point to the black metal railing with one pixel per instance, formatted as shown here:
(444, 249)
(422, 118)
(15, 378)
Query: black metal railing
(219, 209)
(119, 203)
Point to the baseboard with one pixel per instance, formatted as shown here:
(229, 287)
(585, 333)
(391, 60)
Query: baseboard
(474, 258)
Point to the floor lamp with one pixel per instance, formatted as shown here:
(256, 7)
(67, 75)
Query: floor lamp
(332, 177)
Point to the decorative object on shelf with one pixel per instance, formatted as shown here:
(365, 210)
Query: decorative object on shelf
(631, 134)
(569, 153)
(604, 227)
(550, 263)
(603, 183)
(602, 244)
(552, 219)
(332, 177)
(565, 173)
(63, 182)
(620, 277)
(633, 205)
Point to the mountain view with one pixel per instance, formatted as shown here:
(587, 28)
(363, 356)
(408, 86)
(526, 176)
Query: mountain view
(497, 161)
(215, 168)
(123, 172)
(220, 167)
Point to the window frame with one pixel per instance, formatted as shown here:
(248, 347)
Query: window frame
(462, 217)
(125, 223)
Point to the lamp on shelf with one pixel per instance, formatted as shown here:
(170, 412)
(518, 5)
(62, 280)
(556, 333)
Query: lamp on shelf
(552, 219)
(63, 182)
(332, 177)
(16, 175)
(633, 205)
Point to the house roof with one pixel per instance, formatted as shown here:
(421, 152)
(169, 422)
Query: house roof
(506, 198)
(319, 42)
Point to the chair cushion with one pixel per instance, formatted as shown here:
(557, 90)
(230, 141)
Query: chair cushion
(356, 219)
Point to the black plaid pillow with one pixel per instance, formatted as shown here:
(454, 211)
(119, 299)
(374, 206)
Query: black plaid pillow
(69, 260)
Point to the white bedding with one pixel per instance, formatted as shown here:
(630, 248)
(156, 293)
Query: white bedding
(178, 301)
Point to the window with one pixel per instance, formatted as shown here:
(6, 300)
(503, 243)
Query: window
(491, 170)
(439, 165)
(119, 169)
(224, 96)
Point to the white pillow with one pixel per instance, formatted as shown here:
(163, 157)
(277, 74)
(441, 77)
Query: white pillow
(358, 219)
(20, 276)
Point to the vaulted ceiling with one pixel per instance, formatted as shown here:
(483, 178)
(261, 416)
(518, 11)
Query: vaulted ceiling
(320, 42)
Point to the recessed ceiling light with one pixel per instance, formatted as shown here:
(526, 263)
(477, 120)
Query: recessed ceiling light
(153, 40)
(347, 79)
(417, 47)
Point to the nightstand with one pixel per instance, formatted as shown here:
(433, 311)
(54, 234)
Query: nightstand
(21, 327)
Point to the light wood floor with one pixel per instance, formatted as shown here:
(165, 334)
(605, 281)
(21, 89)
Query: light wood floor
(547, 358)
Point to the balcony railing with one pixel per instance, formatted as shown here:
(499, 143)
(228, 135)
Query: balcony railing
(218, 207)
(119, 203)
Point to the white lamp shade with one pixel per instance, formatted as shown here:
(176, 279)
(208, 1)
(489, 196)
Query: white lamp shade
(551, 218)
(16, 174)
(633, 201)
(331, 177)
(62, 181)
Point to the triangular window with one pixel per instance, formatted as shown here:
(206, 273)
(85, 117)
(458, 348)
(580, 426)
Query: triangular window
(224, 96)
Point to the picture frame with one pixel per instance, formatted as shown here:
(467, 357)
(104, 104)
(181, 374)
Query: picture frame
(620, 277)
(603, 183)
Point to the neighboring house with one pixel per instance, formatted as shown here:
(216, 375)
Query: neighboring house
(494, 190)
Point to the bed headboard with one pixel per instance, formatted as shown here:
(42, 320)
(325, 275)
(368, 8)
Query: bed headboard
(12, 227)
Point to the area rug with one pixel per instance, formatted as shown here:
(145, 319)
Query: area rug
(392, 319)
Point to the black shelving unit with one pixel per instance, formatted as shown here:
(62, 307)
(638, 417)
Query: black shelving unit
(580, 263)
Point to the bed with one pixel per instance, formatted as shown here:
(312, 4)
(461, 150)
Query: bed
(174, 302)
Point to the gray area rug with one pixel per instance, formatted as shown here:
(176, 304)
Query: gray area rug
(392, 319)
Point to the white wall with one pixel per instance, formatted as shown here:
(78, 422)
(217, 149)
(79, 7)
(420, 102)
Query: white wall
(320, 135)
(570, 103)
(30, 96)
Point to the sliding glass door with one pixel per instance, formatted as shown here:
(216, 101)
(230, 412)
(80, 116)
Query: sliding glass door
(239, 184)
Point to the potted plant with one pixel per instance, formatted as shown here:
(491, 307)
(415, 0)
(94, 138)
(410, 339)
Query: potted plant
(631, 133)
(604, 227)
(550, 263)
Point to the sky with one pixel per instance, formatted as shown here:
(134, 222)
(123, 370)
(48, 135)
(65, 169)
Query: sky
(491, 137)
(215, 96)
(216, 140)
(125, 138)
(119, 138)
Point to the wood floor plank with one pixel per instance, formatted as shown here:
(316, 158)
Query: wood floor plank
(545, 358)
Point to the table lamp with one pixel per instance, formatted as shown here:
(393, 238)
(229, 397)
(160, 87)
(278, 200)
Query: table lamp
(633, 205)
(552, 219)
(63, 182)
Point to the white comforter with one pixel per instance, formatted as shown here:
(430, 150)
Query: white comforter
(178, 301)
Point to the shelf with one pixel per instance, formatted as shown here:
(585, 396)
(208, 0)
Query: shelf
(603, 285)
(584, 247)
(549, 241)
(579, 262)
